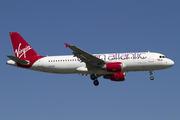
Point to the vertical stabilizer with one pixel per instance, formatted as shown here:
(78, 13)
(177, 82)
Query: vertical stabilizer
(22, 49)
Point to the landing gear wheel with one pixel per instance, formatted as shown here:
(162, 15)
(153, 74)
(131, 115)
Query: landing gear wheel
(152, 78)
(96, 82)
(93, 76)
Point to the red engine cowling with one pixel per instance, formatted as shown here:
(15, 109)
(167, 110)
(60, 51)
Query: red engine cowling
(113, 67)
(116, 76)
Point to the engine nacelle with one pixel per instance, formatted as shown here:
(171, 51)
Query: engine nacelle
(116, 76)
(113, 67)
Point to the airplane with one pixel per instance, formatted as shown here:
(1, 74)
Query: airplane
(111, 66)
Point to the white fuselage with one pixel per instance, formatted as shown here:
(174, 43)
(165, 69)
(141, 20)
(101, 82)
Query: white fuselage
(111, 66)
(142, 61)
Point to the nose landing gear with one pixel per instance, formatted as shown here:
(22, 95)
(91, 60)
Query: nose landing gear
(152, 78)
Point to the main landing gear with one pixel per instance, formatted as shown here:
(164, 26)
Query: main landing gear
(96, 82)
(152, 78)
(94, 77)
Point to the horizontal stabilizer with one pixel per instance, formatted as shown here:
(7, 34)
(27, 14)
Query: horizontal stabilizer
(17, 60)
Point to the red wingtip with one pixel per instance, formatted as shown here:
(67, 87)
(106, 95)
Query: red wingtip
(67, 45)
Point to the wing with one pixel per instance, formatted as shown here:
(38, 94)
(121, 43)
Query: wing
(90, 60)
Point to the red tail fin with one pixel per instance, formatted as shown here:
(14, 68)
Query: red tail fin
(21, 48)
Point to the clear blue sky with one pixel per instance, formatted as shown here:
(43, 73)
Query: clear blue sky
(97, 26)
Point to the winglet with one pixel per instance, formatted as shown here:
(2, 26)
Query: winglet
(67, 45)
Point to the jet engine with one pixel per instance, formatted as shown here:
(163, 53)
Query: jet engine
(113, 67)
(116, 76)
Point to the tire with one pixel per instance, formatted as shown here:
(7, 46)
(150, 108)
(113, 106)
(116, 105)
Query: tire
(96, 82)
(93, 77)
(152, 78)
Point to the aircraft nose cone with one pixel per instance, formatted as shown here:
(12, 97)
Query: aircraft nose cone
(170, 63)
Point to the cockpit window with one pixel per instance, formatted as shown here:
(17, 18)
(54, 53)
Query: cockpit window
(162, 56)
